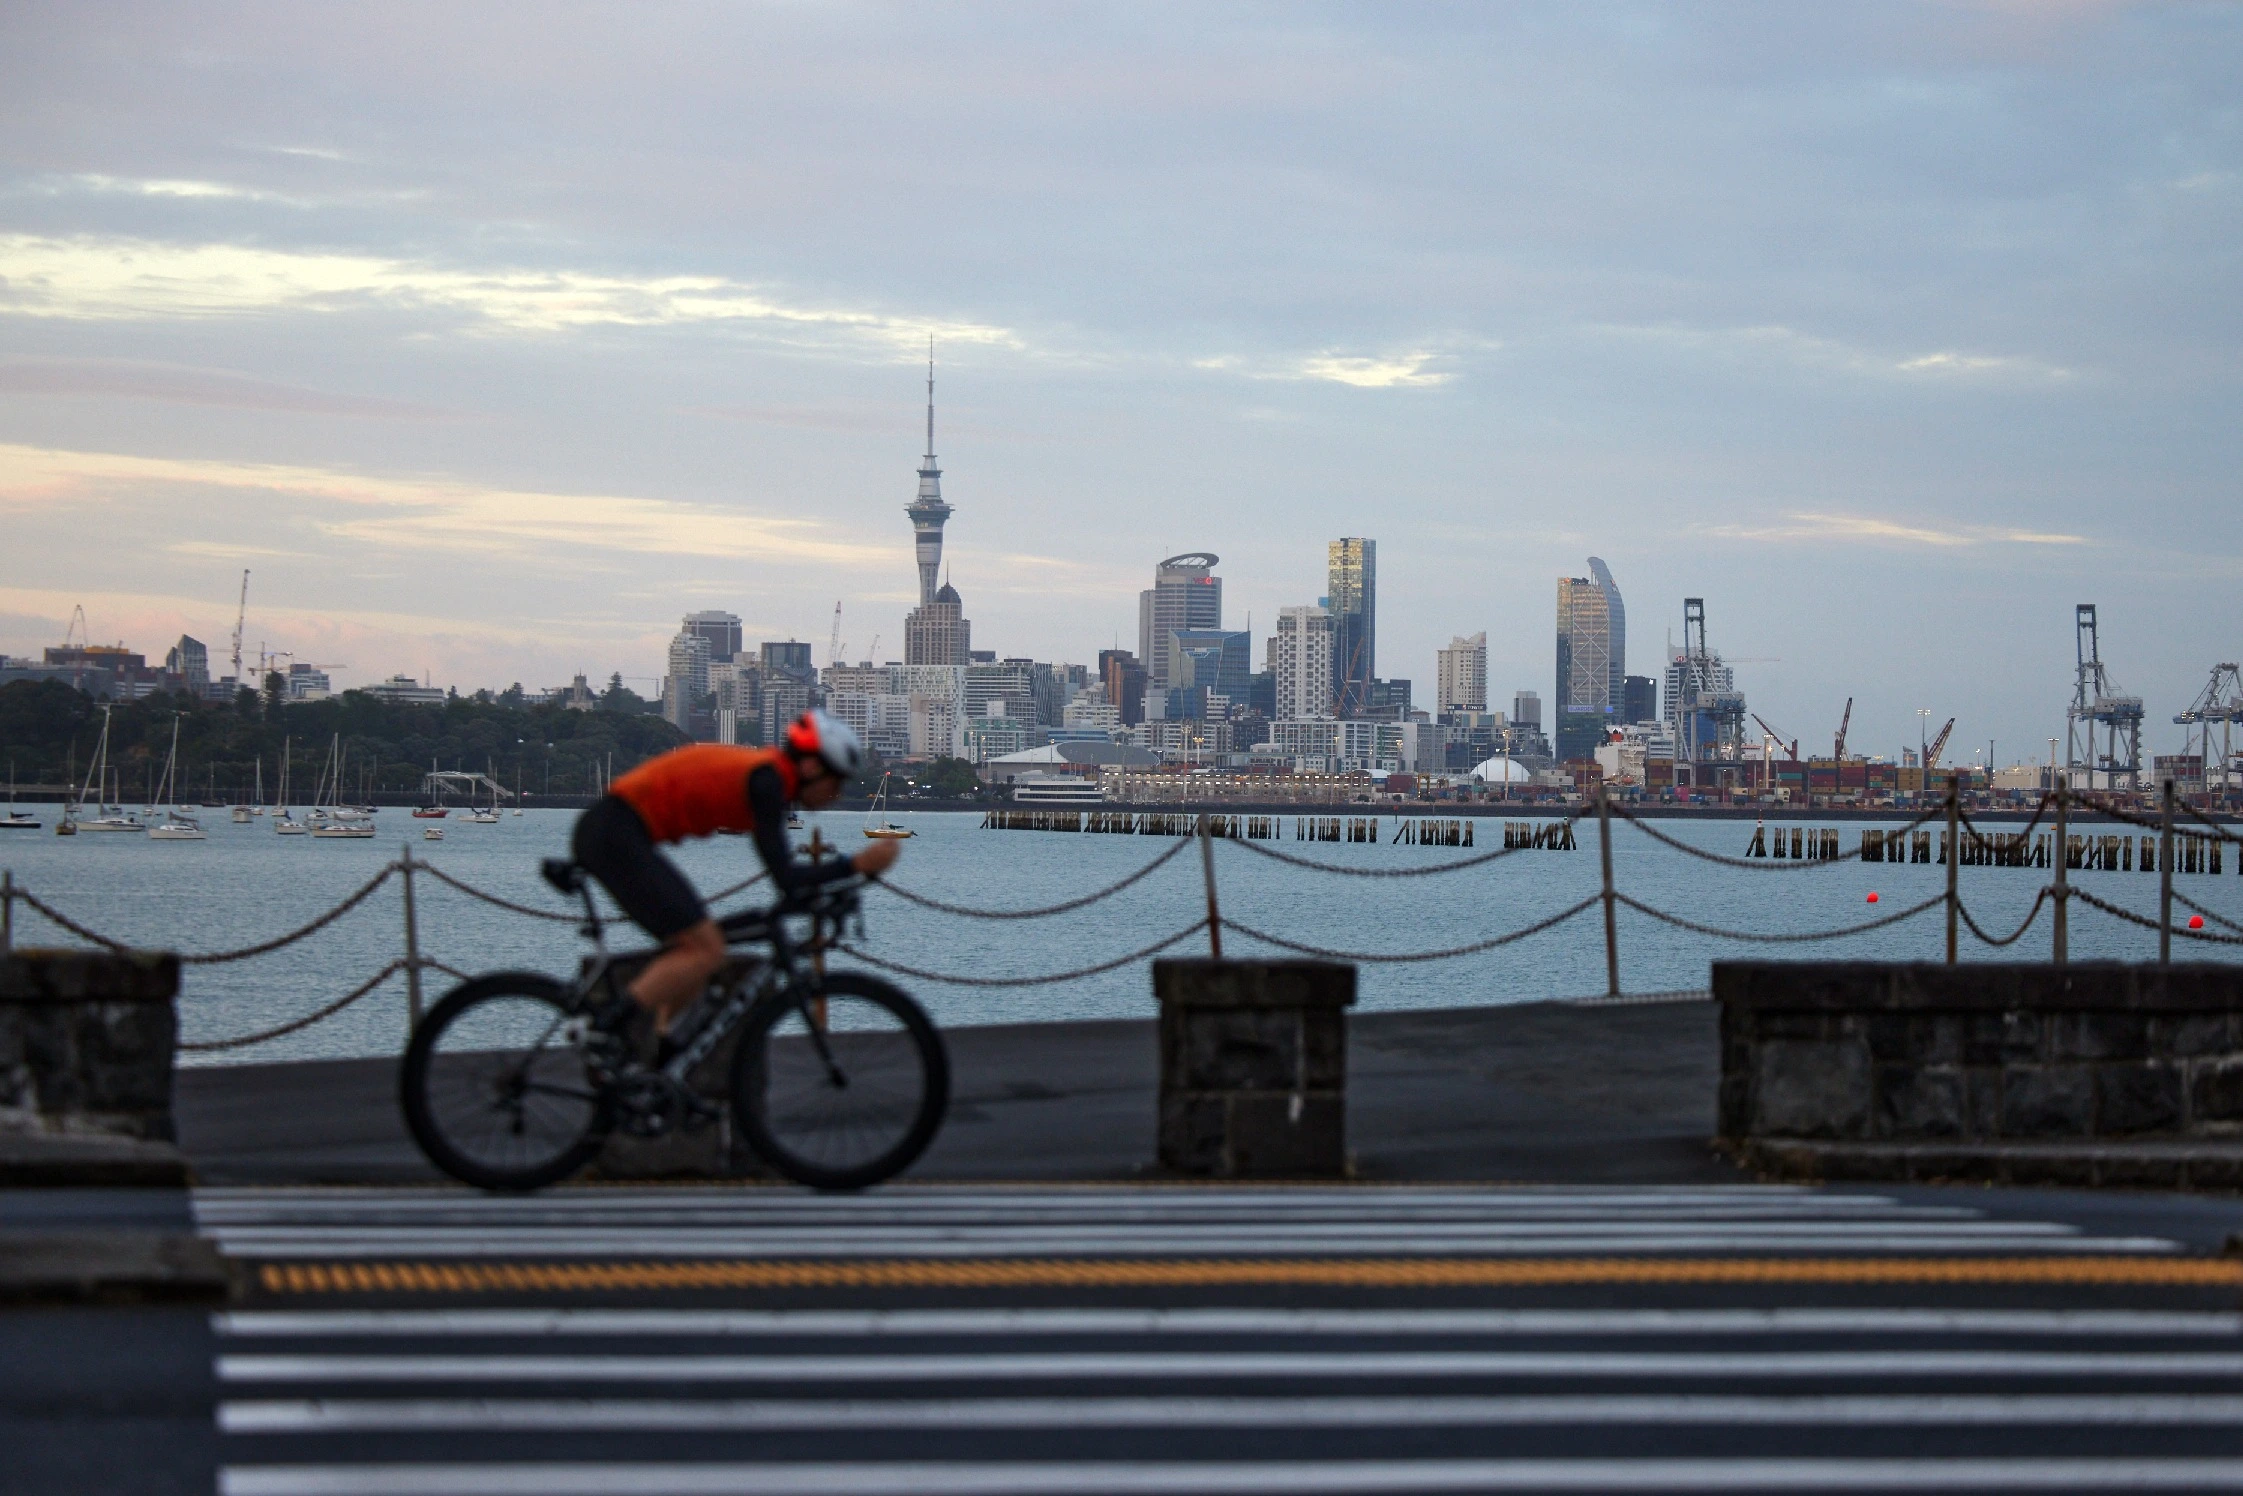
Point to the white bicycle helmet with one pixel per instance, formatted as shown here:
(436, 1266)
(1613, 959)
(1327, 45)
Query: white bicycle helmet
(834, 742)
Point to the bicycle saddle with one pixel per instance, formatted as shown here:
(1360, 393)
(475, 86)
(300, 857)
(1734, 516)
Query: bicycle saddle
(562, 874)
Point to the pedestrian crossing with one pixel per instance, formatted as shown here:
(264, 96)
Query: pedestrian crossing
(1075, 1400)
(1150, 1222)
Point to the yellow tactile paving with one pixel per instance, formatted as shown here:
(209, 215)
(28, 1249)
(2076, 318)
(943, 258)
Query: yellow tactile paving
(1365, 1272)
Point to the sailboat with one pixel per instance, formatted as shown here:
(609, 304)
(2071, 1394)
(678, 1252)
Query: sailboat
(331, 819)
(176, 826)
(886, 830)
(16, 820)
(245, 809)
(210, 800)
(106, 816)
(486, 815)
(435, 809)
(285, 824)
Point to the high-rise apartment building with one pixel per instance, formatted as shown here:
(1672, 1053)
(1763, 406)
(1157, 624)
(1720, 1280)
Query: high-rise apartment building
(1351, 581)
(1526, 710)
(1124, 678)
(688, 679)
(1592, 660)
(1301, 656)
(721, 629)
(1186, 594)
(1641, 699)
(190, 661)
(1462, 677)
(937, 633)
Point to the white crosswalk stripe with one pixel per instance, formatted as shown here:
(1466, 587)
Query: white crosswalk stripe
(1153, 1222)
(1079, 1400)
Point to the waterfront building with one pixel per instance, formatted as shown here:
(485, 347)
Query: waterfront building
(1462, 675)
(1186, 594)
(1301, 657)
(403, 690)
(1351, 583)
(308, 683)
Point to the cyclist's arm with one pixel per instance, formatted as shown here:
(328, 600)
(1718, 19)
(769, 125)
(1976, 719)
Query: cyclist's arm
(767, 798)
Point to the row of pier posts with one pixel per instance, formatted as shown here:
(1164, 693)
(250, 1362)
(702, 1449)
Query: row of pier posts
(1542, 836)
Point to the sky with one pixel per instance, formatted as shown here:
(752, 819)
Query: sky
(491, 339)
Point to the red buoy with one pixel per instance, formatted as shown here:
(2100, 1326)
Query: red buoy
(1873, 898)
(2196, 921)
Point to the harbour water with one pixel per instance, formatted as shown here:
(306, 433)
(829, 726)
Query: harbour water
(246, 884)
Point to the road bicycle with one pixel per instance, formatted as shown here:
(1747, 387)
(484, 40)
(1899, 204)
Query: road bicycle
(839, 1080)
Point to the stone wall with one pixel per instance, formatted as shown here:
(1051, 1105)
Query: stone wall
(1253, 1067)
(2094, 1072)
(86, 1041)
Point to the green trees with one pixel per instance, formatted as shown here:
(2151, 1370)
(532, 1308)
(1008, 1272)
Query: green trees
(49, 728)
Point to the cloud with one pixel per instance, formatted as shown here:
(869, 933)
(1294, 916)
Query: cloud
(1368, 372)
(1813, 350)
(135, 380)
(410, 514)
(1810, 527)
(106, 278)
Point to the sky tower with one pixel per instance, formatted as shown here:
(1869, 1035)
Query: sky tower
(928, 511)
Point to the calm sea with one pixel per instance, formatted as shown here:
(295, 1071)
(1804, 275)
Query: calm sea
(246, 884)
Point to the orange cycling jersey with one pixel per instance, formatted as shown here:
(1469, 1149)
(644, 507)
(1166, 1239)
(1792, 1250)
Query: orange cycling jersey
(701, 790)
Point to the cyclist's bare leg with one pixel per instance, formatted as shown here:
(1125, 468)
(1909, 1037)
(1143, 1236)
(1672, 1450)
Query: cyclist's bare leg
(675, 977)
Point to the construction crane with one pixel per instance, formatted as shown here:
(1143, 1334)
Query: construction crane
(2220, 701)
(241, 616)
(1838, 749)
(1792, 744)
(833, 644)
(1931, 754)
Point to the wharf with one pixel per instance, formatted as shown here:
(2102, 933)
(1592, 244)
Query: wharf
(1547, 1093)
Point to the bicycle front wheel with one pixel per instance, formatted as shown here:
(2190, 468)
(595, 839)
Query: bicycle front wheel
(495, 1088)
(842, 1086)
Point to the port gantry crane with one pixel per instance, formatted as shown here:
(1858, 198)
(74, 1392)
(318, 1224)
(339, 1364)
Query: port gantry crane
(2221, 701)
(1789, 745)
(241, 616)
(2096, 703)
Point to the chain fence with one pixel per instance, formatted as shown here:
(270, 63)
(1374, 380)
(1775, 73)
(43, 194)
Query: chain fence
(2059, 893)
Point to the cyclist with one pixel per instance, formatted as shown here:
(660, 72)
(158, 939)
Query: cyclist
(697, 791)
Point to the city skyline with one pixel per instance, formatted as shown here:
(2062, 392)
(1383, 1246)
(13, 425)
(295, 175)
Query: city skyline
(1893, 334)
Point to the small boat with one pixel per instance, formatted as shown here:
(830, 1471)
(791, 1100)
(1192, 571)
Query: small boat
(16, 820)
(333, 830)
(177, 825)
(432, 833)
(430, 812)
(107, 816)
(481, 818)
(886, 830)
(285, 824)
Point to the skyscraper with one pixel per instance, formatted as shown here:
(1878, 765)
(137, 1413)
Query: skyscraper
(1351, 567)
(1186, 594)
(1592, 660)
(688, 680)
(721, 629)
(928, 511)
(1301, 656)
(1463, 675)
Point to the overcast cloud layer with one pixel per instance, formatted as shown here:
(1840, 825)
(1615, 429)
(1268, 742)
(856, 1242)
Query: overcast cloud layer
(493, 340)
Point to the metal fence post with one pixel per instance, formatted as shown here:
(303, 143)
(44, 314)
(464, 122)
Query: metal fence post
(412, 945)
(7, 910)
(1954, 855)
(1611, 925)
(1207, 867)
(2165, 881)
(2060, 923)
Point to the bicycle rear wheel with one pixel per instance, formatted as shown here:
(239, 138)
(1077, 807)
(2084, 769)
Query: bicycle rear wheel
(496, 1091)
(853, 1110)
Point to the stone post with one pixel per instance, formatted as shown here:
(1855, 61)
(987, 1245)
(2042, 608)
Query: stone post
(1253, 1067)
(86, 1043)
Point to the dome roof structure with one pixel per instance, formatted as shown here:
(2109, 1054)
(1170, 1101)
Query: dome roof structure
(1503, 771)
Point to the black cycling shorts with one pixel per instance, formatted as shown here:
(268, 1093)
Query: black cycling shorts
(612, 844)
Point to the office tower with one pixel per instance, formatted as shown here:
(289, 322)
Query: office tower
(1641, 699)
(721, 629)
(790, 657)
(1526, 710)
(1220, 660)
(1592, 671)
(1301, 654)
(928, 511)
(1462, 684)
(937, 633)
(1123, 675)
(1186, 594)
(1351, 572)
(190, 661)
(688, 679)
